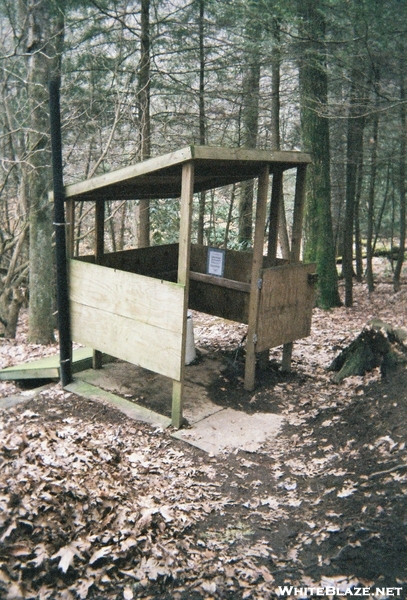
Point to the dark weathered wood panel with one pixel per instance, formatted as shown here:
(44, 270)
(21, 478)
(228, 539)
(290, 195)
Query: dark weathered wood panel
(286, 303)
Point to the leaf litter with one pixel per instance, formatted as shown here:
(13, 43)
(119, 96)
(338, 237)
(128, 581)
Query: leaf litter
(93, 505)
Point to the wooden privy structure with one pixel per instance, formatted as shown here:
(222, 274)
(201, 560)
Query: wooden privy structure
(133, 304)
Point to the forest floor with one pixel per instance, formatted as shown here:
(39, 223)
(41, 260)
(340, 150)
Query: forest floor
(93, 505)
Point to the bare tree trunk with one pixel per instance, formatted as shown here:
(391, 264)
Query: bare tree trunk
(358, 237)
(202, 119)
(250, 117)
(402, 184)
(144, 116)
(313, 79)
(370, 207)
(354, 143)
(275, 133)
(44, 45)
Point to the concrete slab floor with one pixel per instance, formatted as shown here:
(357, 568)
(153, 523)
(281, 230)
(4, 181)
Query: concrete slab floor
(211, 427)
(230, 430)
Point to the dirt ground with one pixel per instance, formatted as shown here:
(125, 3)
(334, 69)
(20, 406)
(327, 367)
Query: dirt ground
(323, 504)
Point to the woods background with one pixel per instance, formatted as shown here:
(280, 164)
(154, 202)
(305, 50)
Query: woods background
(141, 78)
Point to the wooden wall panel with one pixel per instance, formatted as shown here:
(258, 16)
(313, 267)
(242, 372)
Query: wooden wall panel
(145, 261)
(131, 317)
(286, 303)
(221, 302)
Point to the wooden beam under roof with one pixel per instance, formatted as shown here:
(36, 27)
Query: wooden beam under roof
(160, 177)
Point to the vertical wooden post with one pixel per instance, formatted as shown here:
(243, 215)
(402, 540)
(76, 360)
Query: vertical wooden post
(299, 202)
(276, 194)
(99, 251)
(275, 203)
(70, 220)
(257, 266)
(187, 190)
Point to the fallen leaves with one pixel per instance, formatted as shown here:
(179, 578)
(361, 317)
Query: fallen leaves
(99, 507)
(78, 497)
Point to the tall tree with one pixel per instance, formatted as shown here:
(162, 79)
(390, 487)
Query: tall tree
(372, 185)
(275, 128)
(402, 177)
(202, 119)
(313, 81)
(44, 45)
(250, 115)
(144, 115)
(354, 145)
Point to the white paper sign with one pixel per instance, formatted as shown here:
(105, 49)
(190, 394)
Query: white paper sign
(216, 262)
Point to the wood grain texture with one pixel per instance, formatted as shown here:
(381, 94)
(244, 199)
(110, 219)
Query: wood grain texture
(146, 346)
(132, 317)
(160, 177)
(286, 304)
(257, 265)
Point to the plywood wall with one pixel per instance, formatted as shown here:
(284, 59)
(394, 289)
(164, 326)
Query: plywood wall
(132, 317)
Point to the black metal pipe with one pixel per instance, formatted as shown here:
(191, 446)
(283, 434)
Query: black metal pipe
(64, 325)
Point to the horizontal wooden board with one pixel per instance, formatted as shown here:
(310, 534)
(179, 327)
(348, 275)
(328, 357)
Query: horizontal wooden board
(219, 301)
(48, 367)
(145, 261)
(220, 281)
(126, 174)
(286, 302)
(160, 177)
(143, 299)
(249, 154)
(238, 264)
(150, 347)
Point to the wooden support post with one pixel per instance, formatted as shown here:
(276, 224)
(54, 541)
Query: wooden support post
(99, 251)
(299, 202)
(187, 190)
(257, 266)
(275, 203)
(276, 195)
(70, 228)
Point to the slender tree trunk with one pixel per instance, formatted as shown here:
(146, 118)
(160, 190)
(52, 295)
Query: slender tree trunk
(202, 120)
(402, 184)
(354, 143)
(370, 206)
(358, 236)
(275, 132)
(250, 121)
(144, 116)
(319, 242)
(44, 44)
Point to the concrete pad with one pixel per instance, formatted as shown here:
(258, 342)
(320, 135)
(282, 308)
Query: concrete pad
(197, 405)
(10, 401)
(229, 430)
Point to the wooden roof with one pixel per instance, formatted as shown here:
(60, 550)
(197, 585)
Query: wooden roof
(160, 177)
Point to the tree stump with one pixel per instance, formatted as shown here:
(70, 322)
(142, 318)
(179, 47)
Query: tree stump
(378, 345)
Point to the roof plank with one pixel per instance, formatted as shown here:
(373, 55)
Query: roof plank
(160, 177)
